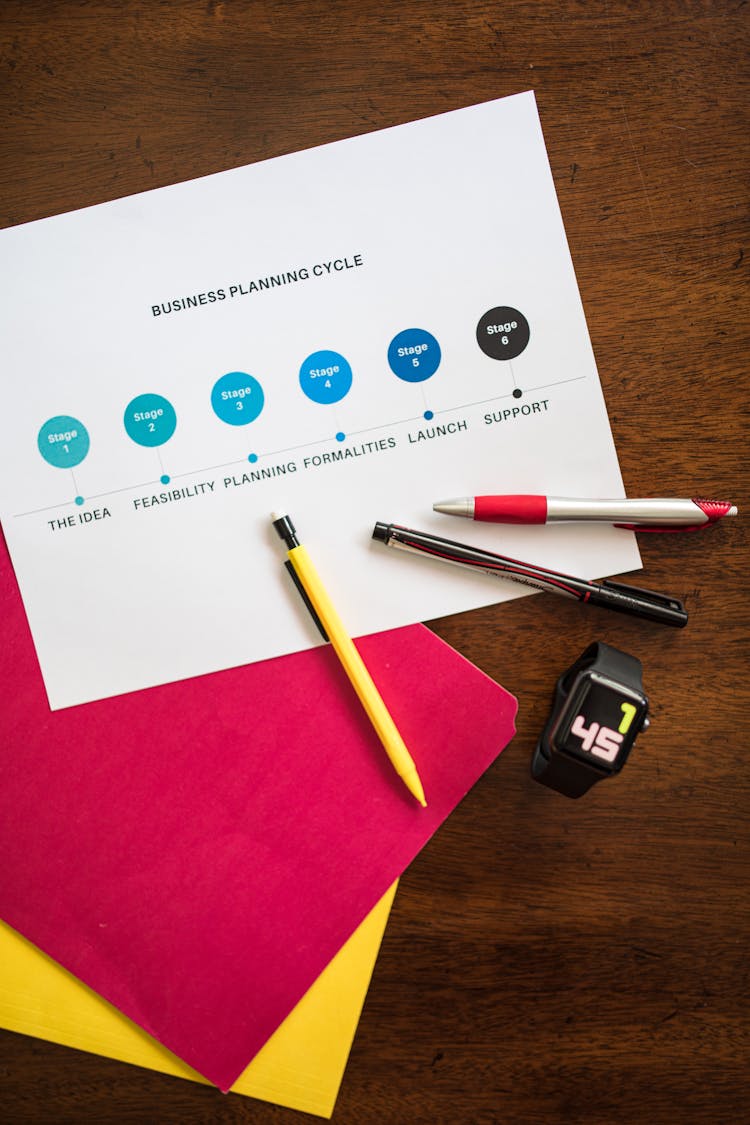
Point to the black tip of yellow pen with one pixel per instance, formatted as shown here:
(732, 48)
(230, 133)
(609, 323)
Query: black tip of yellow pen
(285, 529)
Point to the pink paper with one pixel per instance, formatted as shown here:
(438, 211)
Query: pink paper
(198, 852)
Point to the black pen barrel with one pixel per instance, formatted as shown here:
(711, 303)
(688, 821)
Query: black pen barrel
(646, 604)
(639, 603)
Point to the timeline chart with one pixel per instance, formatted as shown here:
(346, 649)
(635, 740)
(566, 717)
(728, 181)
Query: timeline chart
(392, 341)
(325, 377)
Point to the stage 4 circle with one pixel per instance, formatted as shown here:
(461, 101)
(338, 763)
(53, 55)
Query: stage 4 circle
(325, 377)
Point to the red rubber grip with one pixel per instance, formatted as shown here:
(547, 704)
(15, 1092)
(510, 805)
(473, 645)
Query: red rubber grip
(511, 509)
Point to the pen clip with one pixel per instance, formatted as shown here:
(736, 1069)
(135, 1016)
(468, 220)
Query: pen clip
(306, 600)
(662, 529)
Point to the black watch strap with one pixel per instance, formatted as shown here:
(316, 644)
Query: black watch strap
(562, 774)
(619, 666)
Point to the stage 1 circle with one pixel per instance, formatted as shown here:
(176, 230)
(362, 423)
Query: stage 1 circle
(325, 377)
(414, 355)
(237, 398)
(63, 441)
(150, 420)
(503, 332)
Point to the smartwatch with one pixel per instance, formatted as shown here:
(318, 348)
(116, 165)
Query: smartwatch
(598, 711)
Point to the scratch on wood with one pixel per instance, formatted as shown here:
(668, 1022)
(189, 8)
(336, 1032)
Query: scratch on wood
(642, 954)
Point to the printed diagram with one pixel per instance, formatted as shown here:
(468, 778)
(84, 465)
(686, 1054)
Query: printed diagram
(325, 378)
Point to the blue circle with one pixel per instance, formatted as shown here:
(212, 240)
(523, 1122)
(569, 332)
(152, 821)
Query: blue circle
(340, 436)
(237, 398)
(428, 415)
(325, 377)
(79, 500)
(414, 355)
(150, 420)
(252, 458)
(63, 441)
(164, 479)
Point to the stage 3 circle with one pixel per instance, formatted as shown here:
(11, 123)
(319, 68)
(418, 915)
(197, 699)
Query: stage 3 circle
(414, 355)
(150, 420)
(325, 377)
(503, 332)
(63, 442)
(237, 398)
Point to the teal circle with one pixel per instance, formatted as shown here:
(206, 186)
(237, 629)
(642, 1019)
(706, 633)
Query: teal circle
(150, 420)
(237, 398)
(325, 377)
(63, 441)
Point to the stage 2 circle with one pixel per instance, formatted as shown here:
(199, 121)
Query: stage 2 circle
(150, 420)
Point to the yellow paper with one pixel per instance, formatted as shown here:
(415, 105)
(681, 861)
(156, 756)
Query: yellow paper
(301, 1065)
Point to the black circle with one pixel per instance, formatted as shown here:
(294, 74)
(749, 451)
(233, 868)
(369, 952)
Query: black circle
(503, 332)
(517, 392)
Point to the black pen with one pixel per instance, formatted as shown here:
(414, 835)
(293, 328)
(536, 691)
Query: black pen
(611, 595)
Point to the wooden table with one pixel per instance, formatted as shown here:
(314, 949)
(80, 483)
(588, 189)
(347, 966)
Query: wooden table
(547, 960)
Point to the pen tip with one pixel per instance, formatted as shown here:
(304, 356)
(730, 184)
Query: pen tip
(464, 506)
(414, 785)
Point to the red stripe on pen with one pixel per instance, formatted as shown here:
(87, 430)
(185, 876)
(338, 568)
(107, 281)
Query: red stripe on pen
(516, 567)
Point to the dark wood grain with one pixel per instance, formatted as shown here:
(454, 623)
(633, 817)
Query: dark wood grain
(546, 960)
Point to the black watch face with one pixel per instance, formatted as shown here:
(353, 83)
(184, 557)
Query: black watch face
(601, 721)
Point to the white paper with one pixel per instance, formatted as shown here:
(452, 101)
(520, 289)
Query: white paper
(129, 582)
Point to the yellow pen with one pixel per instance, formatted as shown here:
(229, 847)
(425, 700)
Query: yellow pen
(328, 621)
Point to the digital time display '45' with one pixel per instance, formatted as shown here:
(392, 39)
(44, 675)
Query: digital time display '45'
(601, 741)
(605, 722)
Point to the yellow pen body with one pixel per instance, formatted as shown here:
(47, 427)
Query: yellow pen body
(356, 670)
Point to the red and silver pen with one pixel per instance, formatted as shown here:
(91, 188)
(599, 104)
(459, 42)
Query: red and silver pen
(643, 515)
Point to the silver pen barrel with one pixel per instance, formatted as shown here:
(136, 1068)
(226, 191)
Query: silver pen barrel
(644, 513)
